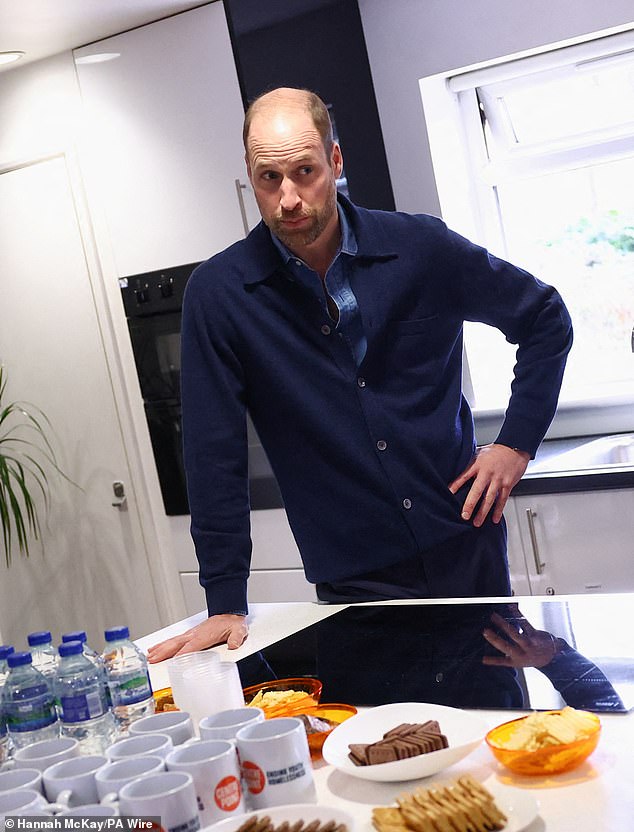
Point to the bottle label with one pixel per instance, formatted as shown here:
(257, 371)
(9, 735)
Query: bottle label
(130, 691)
(30, 715)
(83, 706)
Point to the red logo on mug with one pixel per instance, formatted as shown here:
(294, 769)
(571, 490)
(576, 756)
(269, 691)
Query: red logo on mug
(227, 794)
(254, 777)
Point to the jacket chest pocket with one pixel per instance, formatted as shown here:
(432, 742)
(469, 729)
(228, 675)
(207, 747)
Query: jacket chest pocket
(419, 347)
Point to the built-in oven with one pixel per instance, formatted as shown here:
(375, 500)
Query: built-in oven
(153, 303)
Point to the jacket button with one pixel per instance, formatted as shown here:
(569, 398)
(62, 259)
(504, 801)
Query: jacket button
(439, 677)
(381, 444)
(407, 503)
(325, 330)
(361, 381)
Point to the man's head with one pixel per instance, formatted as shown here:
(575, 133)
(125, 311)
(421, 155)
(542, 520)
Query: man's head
(293, 164)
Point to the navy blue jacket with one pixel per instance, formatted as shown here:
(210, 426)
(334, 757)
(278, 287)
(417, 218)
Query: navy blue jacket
(363, 455)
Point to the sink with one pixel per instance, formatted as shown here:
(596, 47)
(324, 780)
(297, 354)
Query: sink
(605, 452)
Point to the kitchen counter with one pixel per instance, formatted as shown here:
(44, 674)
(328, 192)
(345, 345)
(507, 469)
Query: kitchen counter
(596, 796)
(580, 464)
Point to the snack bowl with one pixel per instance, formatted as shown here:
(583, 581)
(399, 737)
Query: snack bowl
(333, 712)
(164, 701)
(553, 759)
(307, 688)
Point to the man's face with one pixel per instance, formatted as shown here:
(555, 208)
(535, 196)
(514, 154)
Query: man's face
(293, 180)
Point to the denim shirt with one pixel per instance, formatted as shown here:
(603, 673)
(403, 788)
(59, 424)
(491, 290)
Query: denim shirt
(337, 283)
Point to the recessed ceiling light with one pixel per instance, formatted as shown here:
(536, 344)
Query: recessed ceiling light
(9, 57)
(97, 58)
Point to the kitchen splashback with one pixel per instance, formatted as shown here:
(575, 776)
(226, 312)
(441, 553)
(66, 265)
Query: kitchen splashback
(380, 653)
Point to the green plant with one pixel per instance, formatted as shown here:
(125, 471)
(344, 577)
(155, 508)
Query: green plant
(25, 456)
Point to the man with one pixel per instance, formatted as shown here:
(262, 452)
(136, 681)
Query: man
(340, 329)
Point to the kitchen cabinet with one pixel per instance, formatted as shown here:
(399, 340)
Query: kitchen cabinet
(574, 542)
(162, 144)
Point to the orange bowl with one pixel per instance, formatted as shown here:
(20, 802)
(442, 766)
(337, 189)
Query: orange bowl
(309, 691)
(553, 759)
(336, 713)
(164, 700)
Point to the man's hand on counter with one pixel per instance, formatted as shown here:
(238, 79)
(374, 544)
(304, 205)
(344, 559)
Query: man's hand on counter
(217, 629)
(495, 470)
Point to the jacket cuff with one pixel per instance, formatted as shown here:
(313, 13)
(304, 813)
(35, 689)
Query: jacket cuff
(227, 596)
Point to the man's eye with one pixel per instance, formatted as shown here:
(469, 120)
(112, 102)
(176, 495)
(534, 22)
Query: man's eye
(306, 169)
(269, 175)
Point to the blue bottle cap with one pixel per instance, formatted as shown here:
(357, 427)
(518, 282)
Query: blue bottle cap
(70, 648)
(76, 635)
(18, 659)
(116, 633)
(41, 637)
(5, 650)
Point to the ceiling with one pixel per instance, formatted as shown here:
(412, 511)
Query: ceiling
(41, 28)
(45, 27)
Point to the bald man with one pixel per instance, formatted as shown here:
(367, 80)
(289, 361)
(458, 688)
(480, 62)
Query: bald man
(340, 330)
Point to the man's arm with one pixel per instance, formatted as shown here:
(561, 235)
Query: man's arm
(215, 454)
(533, 316)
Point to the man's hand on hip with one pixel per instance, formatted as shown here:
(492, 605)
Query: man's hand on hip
(217, 629)
(495, 470)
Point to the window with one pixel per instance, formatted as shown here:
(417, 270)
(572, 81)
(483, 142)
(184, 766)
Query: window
(539, 168)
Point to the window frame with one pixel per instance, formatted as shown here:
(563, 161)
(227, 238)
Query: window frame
(466, 178)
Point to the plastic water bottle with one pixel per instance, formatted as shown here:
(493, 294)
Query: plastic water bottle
(5, 741)
(84, 709)
(89, 653)
(43, 652)
(128, 678)
(28, 702)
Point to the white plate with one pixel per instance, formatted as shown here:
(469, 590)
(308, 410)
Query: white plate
(464, 732)
(519, 806)
(292, 813)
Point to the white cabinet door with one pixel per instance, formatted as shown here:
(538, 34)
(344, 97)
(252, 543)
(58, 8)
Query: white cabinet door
(163, 140)
(92, 569)
(578, 542)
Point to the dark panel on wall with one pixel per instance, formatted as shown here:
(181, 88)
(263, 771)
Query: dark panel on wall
(318, 44)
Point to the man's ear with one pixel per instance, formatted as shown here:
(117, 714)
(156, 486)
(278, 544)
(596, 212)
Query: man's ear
(336, 160)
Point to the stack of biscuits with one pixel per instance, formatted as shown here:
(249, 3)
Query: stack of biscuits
(263, 823)
(405, 740)
(461, 806)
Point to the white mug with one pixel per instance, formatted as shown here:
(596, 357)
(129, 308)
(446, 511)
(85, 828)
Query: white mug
(112, 777)
(169, 795)
(90, 810)
(26, 802)
(275, 761)
(176, 724)
(215, 770)
(73, 781)
(21, 778)
(226, 724)
(151, 745)
(45, 753)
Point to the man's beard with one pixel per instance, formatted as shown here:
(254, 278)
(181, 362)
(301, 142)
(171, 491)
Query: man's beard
(308, 233)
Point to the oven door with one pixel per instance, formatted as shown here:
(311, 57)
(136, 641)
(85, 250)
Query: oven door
(156, 343)
(164, 420)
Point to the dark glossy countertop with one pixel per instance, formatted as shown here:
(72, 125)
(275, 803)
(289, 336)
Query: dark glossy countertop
(376, 654)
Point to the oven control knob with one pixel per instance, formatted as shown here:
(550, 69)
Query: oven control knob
(142, 295)
(167, 288)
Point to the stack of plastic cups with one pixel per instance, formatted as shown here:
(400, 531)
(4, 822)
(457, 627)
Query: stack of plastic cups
(204, 685)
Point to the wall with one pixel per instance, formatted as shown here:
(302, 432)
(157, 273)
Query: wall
(416, 38)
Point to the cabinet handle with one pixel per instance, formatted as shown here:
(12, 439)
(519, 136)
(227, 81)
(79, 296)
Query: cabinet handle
(530, 515)
(243, 212)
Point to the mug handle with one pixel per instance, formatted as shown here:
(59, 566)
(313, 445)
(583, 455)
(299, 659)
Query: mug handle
(111, 799)
(8, 765)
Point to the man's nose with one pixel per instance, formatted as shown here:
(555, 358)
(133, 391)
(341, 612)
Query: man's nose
(289, 197)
